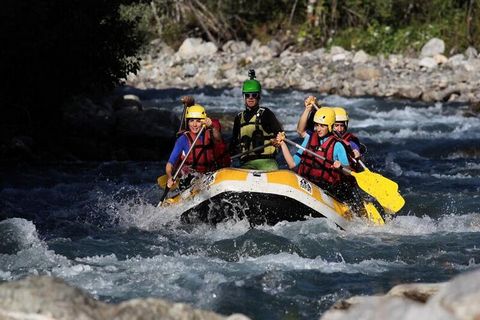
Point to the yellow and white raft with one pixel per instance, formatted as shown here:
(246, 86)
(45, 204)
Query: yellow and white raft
(261, 197)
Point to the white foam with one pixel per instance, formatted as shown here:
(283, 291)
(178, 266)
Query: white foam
(414, 226)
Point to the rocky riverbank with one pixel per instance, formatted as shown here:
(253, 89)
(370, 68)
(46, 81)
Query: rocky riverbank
(456, 299)
(46, 298)
(50, 298)
(430, 76)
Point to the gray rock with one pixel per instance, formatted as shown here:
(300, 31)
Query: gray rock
(360, 57)
(255, 45)
(337, 50)
(428, 63)
(456, 59)
(195, 47)
(460, 297)
(419, 292)
(45, 298)
(454, 300)
(232, 46)
(471, 53)
(432, 47)
(400, 76)
(367, 73)
(275, 47)
(190, 70)
(339, 57)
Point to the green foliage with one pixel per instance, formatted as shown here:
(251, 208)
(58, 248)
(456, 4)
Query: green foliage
(384, 39)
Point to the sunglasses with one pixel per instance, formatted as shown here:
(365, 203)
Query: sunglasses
(254, 95)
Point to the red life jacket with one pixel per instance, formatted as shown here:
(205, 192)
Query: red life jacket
(202, 157)
(220, 148)
(346, 139)
(316, 170)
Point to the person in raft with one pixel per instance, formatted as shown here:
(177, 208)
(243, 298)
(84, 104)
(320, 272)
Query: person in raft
(254, 127)
(220, 148)
(202, 157)
(352, 144)
(322, 141)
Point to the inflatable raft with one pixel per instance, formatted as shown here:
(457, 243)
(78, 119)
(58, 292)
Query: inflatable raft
(261, 197)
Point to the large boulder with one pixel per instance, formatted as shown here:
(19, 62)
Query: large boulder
(49, 298)
(453, 300)
(432, 47)
(367, 73)
(195, 47)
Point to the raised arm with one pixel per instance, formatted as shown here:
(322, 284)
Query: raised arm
(302, 122)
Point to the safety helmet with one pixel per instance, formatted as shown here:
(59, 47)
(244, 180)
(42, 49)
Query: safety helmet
(325, 116)
(196, 112)
(341, 114)
(251, 86)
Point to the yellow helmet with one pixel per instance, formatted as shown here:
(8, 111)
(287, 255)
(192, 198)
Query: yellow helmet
(340, 114)
(196, 112)
(325, 116)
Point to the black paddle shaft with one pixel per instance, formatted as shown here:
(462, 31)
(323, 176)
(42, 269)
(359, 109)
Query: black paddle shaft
(181, 164)
(252, 150)
(347, 171)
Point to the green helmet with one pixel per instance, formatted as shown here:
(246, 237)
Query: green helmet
(251, 86)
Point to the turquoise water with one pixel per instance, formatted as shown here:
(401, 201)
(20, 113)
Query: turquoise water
(96, 224)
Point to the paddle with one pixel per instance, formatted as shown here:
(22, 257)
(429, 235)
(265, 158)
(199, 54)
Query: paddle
(186, 103)
(376, 185)
(372, 213)
(162, 198)
(252, 150)
(162, 182)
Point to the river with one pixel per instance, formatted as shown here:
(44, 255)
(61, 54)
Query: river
(96, 224)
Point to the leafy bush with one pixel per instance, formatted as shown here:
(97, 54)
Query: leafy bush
(373, 25)
(53, 50)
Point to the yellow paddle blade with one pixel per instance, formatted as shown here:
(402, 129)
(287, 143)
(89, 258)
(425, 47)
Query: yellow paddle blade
(381, 188)
(373, 214)
(162, 182)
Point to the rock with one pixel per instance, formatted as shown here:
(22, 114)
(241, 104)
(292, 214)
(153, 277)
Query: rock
(128, 101)
(432, 47)
(454, 300)
(318, 53)
(403, 76)
(232, 46)
(456, 59)
(440, 59)
(275, 47)
(471, 53)
(428, 63)
(190, 70)
(337, 50)
(255, 45)
(49, 298)
(339, 57)
(367, 73)
(419, 292)
(195, 47)
(360, 57)
(459, 297)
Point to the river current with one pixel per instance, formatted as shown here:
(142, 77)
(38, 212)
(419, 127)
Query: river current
(96, 225)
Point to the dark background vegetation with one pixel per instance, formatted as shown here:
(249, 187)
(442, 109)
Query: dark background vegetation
(376, 26)
(54, 50)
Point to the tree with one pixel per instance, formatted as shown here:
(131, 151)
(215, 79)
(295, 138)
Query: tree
(53, 50)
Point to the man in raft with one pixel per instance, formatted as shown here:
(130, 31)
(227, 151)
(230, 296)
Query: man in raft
(255, 126)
